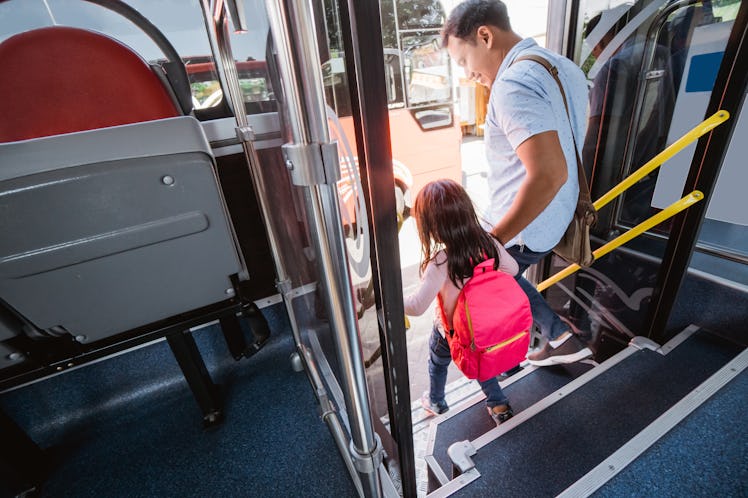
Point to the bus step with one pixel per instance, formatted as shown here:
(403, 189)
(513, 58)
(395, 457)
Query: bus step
(552, 443)
(468, 420)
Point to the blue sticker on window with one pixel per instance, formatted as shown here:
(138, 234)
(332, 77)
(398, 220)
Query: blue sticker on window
(703, 72)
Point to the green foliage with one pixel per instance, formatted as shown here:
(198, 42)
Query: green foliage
(203, 89)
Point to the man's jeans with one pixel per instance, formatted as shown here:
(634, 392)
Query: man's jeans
(550, 324)
(439, 360)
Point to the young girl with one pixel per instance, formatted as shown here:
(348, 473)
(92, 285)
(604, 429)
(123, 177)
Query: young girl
(452, 243)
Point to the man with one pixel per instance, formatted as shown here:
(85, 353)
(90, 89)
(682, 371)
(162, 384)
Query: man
(533, 181)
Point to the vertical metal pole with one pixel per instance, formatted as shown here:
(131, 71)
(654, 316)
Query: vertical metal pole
(556, 26)
(364, 453)
(218, 35)
(314, 165)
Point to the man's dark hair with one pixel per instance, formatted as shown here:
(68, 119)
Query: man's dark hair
(468, 16)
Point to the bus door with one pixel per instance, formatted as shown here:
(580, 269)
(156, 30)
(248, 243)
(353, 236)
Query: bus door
(388, 93)
(656, 69)
(425, 136)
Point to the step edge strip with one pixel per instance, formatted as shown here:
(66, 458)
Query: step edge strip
(479, 396)
(439, 473)
(611, 466)
(455, 484)
(679, 339)
(552, 398)
(464, 405)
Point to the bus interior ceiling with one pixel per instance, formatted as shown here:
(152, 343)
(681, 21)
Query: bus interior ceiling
(149, 344)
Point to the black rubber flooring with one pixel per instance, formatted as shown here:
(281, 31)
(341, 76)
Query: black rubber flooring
(474, 421)
(705, 455)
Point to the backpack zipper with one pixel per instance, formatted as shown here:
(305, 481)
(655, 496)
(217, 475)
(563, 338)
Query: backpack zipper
(504, 343)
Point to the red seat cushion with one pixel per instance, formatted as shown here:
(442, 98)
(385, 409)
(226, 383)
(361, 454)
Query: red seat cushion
(62, 80)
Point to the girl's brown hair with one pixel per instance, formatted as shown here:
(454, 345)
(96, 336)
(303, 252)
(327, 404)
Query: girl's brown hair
(446, 218)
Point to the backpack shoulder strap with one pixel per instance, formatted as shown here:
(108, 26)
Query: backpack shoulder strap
(584, 189)
(443, 315)
(483, 266)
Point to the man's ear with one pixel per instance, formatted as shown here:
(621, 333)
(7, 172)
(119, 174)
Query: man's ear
(484, 36)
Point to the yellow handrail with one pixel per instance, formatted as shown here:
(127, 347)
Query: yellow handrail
(697, 131)
(705, 126)
(645, 225)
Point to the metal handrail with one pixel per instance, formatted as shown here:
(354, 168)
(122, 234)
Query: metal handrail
(642, 227)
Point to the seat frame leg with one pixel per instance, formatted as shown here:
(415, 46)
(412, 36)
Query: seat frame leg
(23, 465)
(234, 336)
(259, 326)
(193, 368)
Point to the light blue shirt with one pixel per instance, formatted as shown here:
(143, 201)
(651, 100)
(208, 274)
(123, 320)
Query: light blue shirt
(525, 101)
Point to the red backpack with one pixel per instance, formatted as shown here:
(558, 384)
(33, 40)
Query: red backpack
(491, 324)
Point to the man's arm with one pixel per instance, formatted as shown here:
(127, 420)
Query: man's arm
(544, 161)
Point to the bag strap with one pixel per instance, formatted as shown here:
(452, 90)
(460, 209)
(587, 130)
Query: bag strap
(584, 189)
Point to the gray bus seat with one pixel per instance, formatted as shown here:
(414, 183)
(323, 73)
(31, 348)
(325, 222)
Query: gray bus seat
(113, 229)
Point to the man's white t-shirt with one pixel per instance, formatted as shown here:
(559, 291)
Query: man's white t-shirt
(525, 101)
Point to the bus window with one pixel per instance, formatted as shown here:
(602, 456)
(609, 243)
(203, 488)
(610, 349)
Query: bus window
(437, 117)
(725, 227)
(254, 82)
(630, 111)
(182, 22)
(425, 73)
(393, 76)
(651, 70)
(249, 50)
(336, 85)
(426, 70)
(425, 138)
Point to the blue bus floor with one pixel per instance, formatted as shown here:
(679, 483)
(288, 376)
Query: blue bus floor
(590, 423)
(150, 440)
(690, 460)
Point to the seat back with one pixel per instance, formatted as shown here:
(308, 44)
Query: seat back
(62, 80)
(111, 200)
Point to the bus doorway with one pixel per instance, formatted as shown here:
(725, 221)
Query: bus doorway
(652, 68)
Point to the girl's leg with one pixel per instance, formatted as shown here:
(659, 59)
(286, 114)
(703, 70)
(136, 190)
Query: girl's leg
(494, 395)
(439, 360)
(496, 402)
